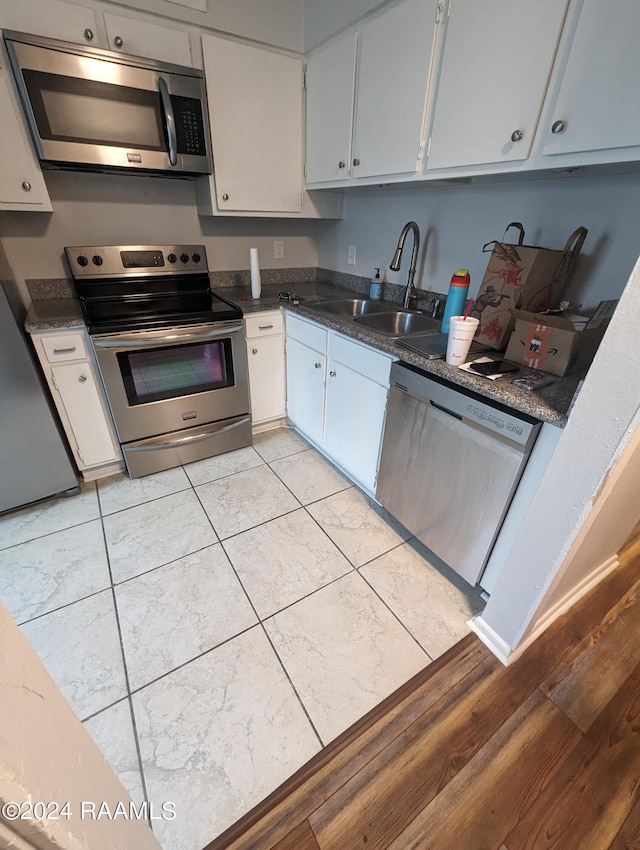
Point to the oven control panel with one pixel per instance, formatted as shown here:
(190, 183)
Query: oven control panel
(101, 261)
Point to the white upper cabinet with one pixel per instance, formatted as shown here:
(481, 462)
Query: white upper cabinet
(53, 19)
(394, 61)
(366, 97)
(593, 105)
(495, 69)
(143, 38)
(330, 91)
(22, 185)
(255, 112)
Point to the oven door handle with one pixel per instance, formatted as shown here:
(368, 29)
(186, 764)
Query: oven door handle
(169, 120)
(126, 341)
(152, 446)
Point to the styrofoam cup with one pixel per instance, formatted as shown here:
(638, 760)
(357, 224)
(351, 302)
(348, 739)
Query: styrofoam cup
(461, 333)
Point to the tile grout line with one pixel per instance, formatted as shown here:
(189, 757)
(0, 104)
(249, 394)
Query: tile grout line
(134, 726)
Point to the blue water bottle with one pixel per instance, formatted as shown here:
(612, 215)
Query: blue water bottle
(456, 297)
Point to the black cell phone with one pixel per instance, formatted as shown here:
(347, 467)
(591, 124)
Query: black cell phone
(495, 367)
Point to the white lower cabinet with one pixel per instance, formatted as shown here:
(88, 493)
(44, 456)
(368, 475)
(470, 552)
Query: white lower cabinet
(77, 394)
(265, 355)
(337, 396)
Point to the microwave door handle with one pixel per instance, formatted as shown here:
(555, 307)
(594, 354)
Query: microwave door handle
(169, 120)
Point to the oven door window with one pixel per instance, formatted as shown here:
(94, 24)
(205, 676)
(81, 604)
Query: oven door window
(156, 374)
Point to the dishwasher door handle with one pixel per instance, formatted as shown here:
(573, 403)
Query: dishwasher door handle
(445, 410)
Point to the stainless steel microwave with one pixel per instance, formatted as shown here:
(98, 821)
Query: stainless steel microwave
(97, 110)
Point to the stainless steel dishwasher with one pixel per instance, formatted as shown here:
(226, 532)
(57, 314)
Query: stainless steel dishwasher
(450, 464)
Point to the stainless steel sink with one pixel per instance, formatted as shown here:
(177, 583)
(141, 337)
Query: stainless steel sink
(399, 323)
(350, 307)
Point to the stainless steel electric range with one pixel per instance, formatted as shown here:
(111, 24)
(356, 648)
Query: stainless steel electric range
(171, 353)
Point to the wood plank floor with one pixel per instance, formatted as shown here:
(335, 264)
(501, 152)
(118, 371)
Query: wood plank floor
(470, 755)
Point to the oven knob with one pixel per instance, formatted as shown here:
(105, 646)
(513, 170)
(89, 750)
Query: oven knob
(184, 258)
(97, 261)
(196, 257)
(82, 260)
(172, 258)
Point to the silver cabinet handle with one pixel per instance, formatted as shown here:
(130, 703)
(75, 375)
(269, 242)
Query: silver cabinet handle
(88, 34)
(64, 350)
(82, 379)
(26, 186)
(118, 41)
(517, 136)
(356, 161)
(265, 327)
(333, 374)
(558, 127)
(225, 197)
(341, 164)
(169, 120)
(318, 365)
(254, 350)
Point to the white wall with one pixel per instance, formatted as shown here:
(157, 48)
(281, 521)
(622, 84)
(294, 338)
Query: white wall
(104, 209)
(457, 220)
(544, 563)
(325, 18)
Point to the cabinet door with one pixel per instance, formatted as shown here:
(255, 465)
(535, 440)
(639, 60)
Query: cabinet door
(593, 109)
(330, 89)
(354, 419)
(255, 111)
(82, 404)
(51, 18)
(266, 378)
(306, 370)
(495, 69)
(394, 61)
(22, 186)
(142, 38)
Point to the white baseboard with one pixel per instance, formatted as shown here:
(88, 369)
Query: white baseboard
(501, 648)
(269, 425)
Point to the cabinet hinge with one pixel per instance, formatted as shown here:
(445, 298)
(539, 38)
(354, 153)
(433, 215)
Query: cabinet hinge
(428, 147)
(79, 453)
(53, 381)
(420, 149)
(304, 79)
(439, 11)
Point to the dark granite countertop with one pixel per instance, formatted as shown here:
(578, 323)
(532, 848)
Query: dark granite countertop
(551, 404)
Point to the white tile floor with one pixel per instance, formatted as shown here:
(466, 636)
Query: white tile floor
(234, 616)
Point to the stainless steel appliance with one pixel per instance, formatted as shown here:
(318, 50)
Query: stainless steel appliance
(171, 353)
(450, 464)
(33, 457)
(95, 109)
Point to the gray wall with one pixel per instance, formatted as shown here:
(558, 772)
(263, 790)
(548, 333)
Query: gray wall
(457, 220)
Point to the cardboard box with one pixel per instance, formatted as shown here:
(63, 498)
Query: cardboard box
(522, 277)
(558, 344)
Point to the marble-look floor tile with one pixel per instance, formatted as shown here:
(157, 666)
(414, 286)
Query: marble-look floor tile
(281, 442)
(43, 574)
(112, 730)
(309, 476)
(119, 492)
(358, 526)
(344, 651)
(218, 735)
(80, 647)
(46, 517)
(212, 468)
(248, 498)
(176, 612)
(156, 533)
(283, 560)
(431, 600)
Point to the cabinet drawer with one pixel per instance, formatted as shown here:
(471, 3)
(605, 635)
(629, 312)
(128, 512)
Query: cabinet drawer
(61, 347)
(315, 336)
(362, 359)
(264, 324)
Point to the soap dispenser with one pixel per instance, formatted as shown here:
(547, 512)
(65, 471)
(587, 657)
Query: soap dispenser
(375, 289)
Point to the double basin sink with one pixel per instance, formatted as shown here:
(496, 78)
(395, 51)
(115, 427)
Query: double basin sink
(379, 317)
